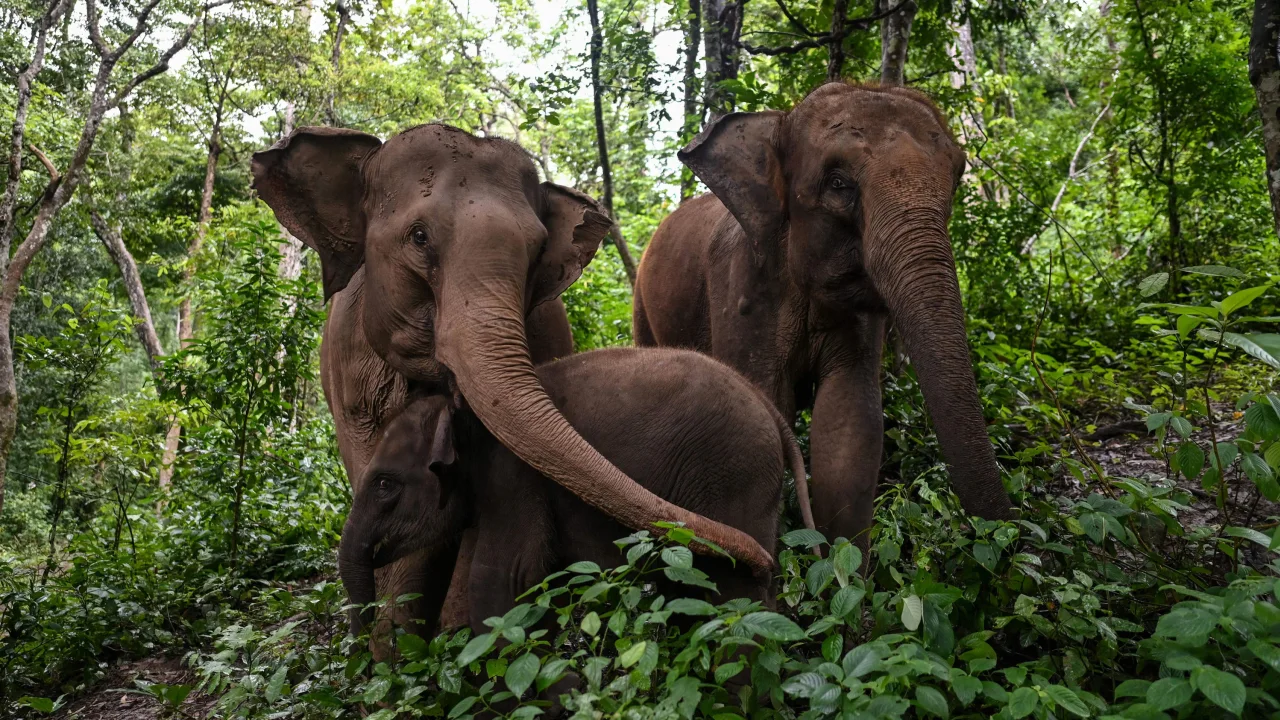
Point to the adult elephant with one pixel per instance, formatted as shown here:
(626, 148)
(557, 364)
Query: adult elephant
(826, 222)
(457, 240)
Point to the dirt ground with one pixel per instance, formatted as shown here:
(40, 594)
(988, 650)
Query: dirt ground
(113, 701)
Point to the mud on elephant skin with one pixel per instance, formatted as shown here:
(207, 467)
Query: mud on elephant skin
(827, 221)
(685, 426)
(457, 240)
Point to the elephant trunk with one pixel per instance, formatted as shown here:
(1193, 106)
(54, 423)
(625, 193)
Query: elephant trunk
(482, 340)
(915, 274)
(356, 566)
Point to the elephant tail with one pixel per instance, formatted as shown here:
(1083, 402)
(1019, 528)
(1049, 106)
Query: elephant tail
(795, 459)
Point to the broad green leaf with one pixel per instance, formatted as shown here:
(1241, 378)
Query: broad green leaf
(819, 576)
(771, 626)
(1187, 323)
(478, 646)
(1188, 622)
(463, 706)
(846, 599)
(1226, 452)
(1272, 455)
(1152, 284)
(1132, 688)
(1249, 534)
(1066, 699)
(1260, 419)
(275, 686)
(678, 556)
(803, 685)
(1218, 270)
(1181, 426)
(1022, 702)
(40, 704)
(632, 655)
(1242, 298)
(691, 606)
(912, 612)
(932, 701)
(862, 660)
(521, 673)
(727, 671)
(1221, 688)
(1258, 345)
(965, 686)
(1260, 473)
(1155, 421)
(1190, 458)
(1168, 693)
(1266, 652)
(376, 689)
(803, 537)
(591, 623)
(1095, 526)
(1200, 310)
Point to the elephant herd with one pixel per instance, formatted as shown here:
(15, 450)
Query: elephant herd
(484, 454)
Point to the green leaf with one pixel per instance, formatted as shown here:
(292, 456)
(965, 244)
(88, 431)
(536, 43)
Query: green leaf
(1133, 688)
(1250, 534)
(932, 701)
(632, 654)
(689, 576)
(803, 685)
(591, 623)
(819, 576)
(1190, 459)
(1066, 699)
(1272, 455)
(1266, 652)
(478, 646)
(846, 599)
(1180, 426)
(1155, 421)
(40, 704)
(1221, 688)
(1168, 693)
(1153, 284)
(1095, 526)
(1242, 298)
(965, 686)
(803, 537)
(691, 606)
(275, 686)
(1187, 323)
(1262, 346)
(727, 671)
(1260, 473)
(521, 673)
(1188, 622)
(1218, 270)
(678, 556)
(1262, 420)
(376, 689)
(583, 567)
(771, 626)
(411, 646)
(912, 612)
(1022, 702)
(1226, 453)
(862, 660)
(463, 706)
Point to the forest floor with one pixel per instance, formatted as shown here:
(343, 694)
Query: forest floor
(118, 697)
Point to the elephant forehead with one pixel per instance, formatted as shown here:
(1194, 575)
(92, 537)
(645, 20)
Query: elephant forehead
(438, 156)
(846, 112)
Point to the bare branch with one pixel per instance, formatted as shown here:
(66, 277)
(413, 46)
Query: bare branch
(795, 21)
(114, 243)
(161, 65)
(95, 29)
(54, 175)
(138, 28)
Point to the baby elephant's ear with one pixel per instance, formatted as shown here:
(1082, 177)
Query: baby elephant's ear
(442, 452)
(576, 225)
(312, 181)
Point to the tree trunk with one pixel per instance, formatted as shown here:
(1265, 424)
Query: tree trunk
(335, 61)
(602, 141)
(895, 33)
(835, 50)
(722, 23)
(692, 110)
(1264, 75)
(114, 242)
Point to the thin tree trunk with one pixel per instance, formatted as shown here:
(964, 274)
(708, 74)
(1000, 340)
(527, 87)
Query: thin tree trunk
(692, 109)
(602, 141)
(1264, 75)
(335, 61)
(111, 238)
(835, 50)
(722, 26)
(895, 34)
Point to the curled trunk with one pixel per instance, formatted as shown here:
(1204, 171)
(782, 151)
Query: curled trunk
(917, 279)
(482, 340)
(355, 566)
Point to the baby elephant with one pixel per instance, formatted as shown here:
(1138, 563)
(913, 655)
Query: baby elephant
(684, 426)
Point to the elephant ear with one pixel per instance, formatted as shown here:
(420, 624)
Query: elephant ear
(312, 181)
(738, 159)
(576, 225)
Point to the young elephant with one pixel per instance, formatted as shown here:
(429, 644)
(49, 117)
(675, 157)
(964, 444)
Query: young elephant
(683, 425)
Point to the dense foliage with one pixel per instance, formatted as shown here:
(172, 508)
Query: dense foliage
(1118, 258)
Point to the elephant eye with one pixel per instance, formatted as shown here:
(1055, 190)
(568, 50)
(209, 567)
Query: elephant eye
(386, 485)
(419, 237)
(838, 183)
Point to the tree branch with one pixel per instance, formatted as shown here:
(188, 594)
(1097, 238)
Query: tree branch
(817, 41)
(54, 175)
(795, 22)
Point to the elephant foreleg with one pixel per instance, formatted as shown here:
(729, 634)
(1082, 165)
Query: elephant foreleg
(846, 438)
(421, 573)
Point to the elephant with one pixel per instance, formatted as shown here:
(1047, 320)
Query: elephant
(434, 247)
(824, 223)
(682, 424)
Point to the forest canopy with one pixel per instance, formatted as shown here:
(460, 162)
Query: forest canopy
(172, 492)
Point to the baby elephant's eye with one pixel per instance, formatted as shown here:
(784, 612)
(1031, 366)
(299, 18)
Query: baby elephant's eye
(419, 237)
(838, 183)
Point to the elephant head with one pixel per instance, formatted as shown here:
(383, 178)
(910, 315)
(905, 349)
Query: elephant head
(406, 501)
(851, 192)
(459, 241)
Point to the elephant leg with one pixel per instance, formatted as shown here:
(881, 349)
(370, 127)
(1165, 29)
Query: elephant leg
(455, 614)
(846, 437)
(514, 541)
(420, 573)
(549, 334)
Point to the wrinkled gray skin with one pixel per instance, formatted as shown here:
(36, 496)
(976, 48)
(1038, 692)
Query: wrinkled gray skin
(686, 427)
(826, 222)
